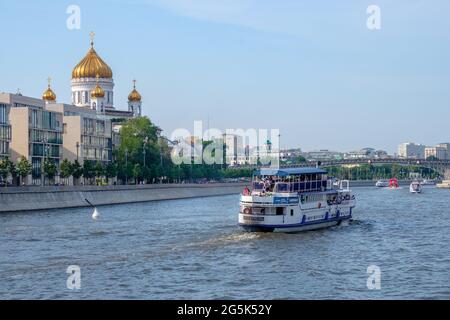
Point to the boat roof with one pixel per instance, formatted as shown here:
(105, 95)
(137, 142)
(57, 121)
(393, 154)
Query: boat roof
(282, 172)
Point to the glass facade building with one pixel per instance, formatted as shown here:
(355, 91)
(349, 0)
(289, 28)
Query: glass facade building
(5, 131)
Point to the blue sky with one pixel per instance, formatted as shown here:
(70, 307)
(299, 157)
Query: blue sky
(310, 68)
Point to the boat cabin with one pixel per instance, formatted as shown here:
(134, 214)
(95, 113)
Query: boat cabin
(290, 180)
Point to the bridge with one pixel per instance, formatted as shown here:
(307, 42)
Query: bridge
(441, 166)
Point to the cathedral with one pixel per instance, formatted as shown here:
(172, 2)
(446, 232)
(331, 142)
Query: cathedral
(92, 87)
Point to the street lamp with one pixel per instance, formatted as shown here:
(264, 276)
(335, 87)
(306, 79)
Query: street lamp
(44, 149)
(144, 151)
(126, 166)
(78, 146)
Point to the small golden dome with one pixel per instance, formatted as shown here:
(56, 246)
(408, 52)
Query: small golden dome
(134, 95)
(91, 65)
(48, 94)
(98, 92)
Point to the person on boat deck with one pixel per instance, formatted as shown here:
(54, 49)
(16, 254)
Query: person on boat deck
(266, 185)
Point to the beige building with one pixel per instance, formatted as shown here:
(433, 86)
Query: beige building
(5, 130)
(446, 146)
(86, 136)
(36, 132)
(438, 152)
(411, 150)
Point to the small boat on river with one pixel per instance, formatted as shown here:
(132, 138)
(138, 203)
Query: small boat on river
(415, 187)
(382, 184)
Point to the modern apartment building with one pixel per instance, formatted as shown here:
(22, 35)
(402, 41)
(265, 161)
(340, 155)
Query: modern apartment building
(36, 132)
(437, 152)
(86, 135)
(411, 150)
(5, 130)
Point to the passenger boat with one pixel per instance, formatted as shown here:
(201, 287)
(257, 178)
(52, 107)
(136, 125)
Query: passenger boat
(382, 184)
(415, 187)
(294, 200)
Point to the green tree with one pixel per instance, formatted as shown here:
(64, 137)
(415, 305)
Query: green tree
(110, 170)
(66, 169)
(99, 170)
(88, 171)
(77, 171)
(24, 168)
(7, 167)
(432, 158)
(50, 168)
(137, 172)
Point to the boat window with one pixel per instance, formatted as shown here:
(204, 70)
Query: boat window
(280, 211)
(258, 186)
(282, 187)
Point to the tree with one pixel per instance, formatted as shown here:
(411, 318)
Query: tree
(67, 169)
(432, 158)
(99, 169)
(24, 168)
(137, 172)
(88, 170)
(50, 168)
(110, 170)
(7, 167)
(77, 170)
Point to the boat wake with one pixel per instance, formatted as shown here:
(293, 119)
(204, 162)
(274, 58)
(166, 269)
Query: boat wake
(221, 241)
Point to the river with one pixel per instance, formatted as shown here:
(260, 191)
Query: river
(193, 249)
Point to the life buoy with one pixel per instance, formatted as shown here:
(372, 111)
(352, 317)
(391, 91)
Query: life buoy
(247, 211)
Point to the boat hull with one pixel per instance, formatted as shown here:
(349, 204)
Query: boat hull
(294, 228)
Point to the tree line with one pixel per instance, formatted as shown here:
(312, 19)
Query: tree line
(376, 172)
(143, 156)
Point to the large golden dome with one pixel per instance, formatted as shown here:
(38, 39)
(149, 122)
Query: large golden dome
(48, 94)
(91, 66)
(134, 95)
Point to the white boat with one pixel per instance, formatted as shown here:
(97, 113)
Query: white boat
(382, 184)
(294, 200)
(444, 184)
(428, 182)
(415, 187)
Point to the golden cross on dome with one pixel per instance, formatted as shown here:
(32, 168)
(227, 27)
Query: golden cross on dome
(49, 80)
(134, 83)
(92, 35)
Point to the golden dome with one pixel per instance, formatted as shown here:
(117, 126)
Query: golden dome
(98, 92)
(91, 65)
(48, 94)
(134, 95)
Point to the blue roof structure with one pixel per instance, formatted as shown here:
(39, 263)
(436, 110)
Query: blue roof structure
(282, 172)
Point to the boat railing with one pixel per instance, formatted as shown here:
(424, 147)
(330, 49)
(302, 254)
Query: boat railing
(344, 185)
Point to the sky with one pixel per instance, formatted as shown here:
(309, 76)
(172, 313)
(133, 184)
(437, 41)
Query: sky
(309, 68)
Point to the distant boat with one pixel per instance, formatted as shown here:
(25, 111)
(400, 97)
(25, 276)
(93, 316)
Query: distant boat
(444, 185)
(415, 187)
(382, 184)
(428, 182)
(393, 183)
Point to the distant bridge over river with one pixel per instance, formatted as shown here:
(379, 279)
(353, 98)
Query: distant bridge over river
(441, 166)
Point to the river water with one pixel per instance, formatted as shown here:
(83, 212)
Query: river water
(193, 249)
